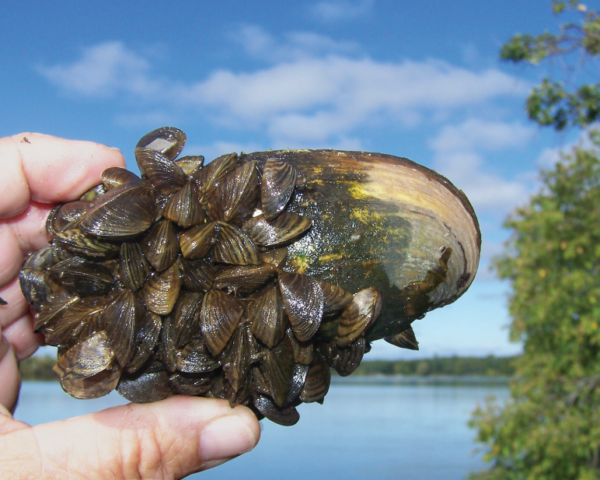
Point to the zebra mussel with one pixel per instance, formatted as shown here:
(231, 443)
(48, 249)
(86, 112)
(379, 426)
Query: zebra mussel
(244, 279)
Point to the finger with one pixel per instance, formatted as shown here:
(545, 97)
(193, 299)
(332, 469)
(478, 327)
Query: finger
(17, 322)
(9, 373)
(168, 439)
(20, 235)
(49, 169)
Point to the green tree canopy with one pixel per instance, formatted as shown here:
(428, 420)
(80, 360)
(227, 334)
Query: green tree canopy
(550, 428)
(555, 103)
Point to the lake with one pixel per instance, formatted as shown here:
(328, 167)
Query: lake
(367, 428)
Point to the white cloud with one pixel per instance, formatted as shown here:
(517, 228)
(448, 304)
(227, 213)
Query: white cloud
(339, 10)
(479, 134)
(486, 191)
(103, 70)
(338, 83)
(549, 157)
(458, 155)
(261, 44)
(314, 94)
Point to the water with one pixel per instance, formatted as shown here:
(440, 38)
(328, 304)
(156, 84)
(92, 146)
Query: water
(385, 430)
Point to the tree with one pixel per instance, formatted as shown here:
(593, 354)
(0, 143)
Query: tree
(550, 426)
(555, 103)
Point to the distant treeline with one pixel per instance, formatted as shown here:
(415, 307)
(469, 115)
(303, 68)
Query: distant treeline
(481, 366)
(40, 368)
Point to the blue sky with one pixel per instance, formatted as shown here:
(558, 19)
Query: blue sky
(415, 79)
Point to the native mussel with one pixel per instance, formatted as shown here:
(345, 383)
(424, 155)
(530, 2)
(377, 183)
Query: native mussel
(246, 278)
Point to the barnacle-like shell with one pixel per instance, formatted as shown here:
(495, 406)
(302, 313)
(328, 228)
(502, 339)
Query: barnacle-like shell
(116, 176)
(278, 182)
(358, 315)
(304, 303)
(220, 315)
(278, 232)
(168, 141)
(404, 339)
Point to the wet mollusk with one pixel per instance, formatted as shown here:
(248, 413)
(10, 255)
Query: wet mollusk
(247, 278)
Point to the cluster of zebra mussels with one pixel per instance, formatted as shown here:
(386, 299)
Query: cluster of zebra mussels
(172, 283)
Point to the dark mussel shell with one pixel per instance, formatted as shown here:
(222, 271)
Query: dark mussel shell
(169, 141)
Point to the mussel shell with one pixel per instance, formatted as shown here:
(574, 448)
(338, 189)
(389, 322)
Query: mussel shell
(115, 177)
(65, 215)
(134, 268)
(287, 416)
(277, 366)
(303, 300)
(87, 358)
(32, 277)
(82, 277)
(190, 164)
(234, 246)
(266, 315)
(183, 207)
(122, 213)
(146, 337)
(219, 316)
(186, 317)
(191, 384)
(381, 221)
(276, 188)
(405, 339)
(119, 318)
(145, 387)
(244, 279)
(345, 360)
(277, 232)
(235, 199)
(99, 385)
(210, 176)
(169, 141)
(194, 358)
(197, 275)
(161, 245)
(76, 241)
(317, 381)
(161, 290)
(238, 356)
(358, 316)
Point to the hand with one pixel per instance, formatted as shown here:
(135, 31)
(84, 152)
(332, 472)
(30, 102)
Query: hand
(167, 439)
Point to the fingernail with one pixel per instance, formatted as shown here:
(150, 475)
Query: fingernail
(226, 437)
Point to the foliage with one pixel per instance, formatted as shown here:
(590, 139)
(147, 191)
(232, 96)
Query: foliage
(550, 428)
(554, 103)
(482, 366)
(38, 368)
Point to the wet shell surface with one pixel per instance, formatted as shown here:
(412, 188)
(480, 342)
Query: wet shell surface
(247, 278)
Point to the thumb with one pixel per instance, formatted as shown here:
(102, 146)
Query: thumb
(167, 439)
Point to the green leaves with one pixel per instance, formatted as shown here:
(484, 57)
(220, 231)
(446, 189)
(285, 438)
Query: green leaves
(549, 428)
(550, 103)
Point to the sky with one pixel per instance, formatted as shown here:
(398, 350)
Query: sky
(414, 79)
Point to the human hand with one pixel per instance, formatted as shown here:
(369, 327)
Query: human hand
(167, 439)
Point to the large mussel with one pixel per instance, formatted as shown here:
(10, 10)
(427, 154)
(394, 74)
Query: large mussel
(246, 278)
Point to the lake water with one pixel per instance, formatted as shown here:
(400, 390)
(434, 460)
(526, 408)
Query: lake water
(384, 429)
